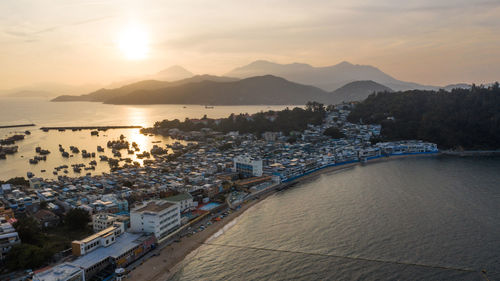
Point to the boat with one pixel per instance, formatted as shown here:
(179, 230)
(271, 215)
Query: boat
(209, 107)
(94, 133)
(27, 132)
(30, 174)
(100, 149)
(33, 161)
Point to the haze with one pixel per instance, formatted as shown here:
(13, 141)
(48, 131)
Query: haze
(81, 42)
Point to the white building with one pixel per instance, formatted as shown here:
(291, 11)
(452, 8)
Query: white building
(103, 238)
(102, 221)
(185, 201)
(248, 166)
(62, 272)
(158, 217)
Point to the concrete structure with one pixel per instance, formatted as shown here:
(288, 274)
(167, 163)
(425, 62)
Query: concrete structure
(8, 237)
(127, 248)
(61, 272)
(158, 217)
(104, 238)
(102, 221)
(248, 166)
(185, 201)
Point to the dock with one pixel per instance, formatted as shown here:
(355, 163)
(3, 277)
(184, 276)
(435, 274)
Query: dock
(101, 128)
(17, 126)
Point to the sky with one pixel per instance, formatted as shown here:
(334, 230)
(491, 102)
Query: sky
(102, 41)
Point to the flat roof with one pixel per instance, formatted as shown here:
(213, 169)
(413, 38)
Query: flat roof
(97, 235)
(179, 197)
(155, 206)
(59, 272)
(123, 243)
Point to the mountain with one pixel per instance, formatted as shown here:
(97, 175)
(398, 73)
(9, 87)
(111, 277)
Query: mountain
(103, 95)
(457, 86)
(266, 89)
(46, 90)
(359, 90)
(172, 73)
(328, 78)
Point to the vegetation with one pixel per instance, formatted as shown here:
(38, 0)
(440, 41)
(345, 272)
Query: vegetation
(285, 121)
(16, 181)
(77, 219)
(334, 133)
(460, 119)
(40, 245)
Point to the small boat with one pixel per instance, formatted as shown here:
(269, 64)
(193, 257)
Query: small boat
(43, 171)
(33, 161)
(209, 107)
(27, 132)
(30, 174)
(94, 133)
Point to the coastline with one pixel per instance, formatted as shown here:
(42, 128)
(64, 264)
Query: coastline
(170, 258)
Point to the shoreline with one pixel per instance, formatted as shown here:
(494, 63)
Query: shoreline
(171, 257)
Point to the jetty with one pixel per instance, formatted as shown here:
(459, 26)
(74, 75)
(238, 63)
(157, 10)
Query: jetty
(17, 126)
(77, 128)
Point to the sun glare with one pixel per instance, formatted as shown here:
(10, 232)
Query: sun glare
(133, 42)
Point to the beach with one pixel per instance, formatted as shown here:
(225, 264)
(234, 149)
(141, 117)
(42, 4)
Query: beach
(164, 265)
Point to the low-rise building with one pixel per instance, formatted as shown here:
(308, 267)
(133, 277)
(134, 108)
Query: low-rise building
(61, 272)
(158, 217)
(185, 201)
(8, 237)
(103, 238)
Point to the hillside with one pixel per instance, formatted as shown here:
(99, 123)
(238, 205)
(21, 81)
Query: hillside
(358, 90)
(103, 95)
(328, 78)
(462, 118)
(255, 90)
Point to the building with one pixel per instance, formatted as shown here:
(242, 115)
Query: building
(8, 237)
(185, 201)
(158, 217)
(247, 166)
(103, 238)
(61, 272)
(46, 218)
(102, 221)
(127, 248)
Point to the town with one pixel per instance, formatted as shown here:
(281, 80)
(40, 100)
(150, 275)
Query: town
(135, 211)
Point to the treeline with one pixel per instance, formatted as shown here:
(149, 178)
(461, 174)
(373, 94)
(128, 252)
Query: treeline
(285, 121)
(460, 119)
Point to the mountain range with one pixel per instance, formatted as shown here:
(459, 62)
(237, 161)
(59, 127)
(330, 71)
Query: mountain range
(260, 82)
(328, 78)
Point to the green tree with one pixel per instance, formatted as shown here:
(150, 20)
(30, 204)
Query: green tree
(334, 133)
(27, 256)
(28, 230)
(77, 219)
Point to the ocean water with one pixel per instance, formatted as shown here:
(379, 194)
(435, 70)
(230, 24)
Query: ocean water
(44, 113)
(434, 218)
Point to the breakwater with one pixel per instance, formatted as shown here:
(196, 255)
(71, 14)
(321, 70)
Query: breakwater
(45, 129)
(17, 126)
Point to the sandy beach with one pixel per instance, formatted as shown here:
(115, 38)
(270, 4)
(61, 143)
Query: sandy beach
(164, 265)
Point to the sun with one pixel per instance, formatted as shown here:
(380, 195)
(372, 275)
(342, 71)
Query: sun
(133, 42)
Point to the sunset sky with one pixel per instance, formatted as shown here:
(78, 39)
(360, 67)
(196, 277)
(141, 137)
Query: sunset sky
(81, 42)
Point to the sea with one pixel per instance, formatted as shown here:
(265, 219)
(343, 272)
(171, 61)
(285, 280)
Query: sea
(44, 113)
(423, 218)
(418, 218)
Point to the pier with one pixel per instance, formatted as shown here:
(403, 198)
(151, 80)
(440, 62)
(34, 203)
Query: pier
(101, 128)
(17, 126)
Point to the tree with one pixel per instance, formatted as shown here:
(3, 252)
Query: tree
(77, 219)
(28, 230)
(334, 133)
(44, 205)
(24, 256)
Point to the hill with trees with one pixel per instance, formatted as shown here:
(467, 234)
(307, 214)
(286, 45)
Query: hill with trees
(460, 119)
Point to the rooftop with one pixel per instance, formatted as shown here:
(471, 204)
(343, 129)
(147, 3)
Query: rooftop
(61, 271)
(154, 206)
(123, 243)
(179, 197)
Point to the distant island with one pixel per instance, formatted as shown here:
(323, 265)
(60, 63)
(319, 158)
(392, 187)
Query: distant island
(215, 90)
